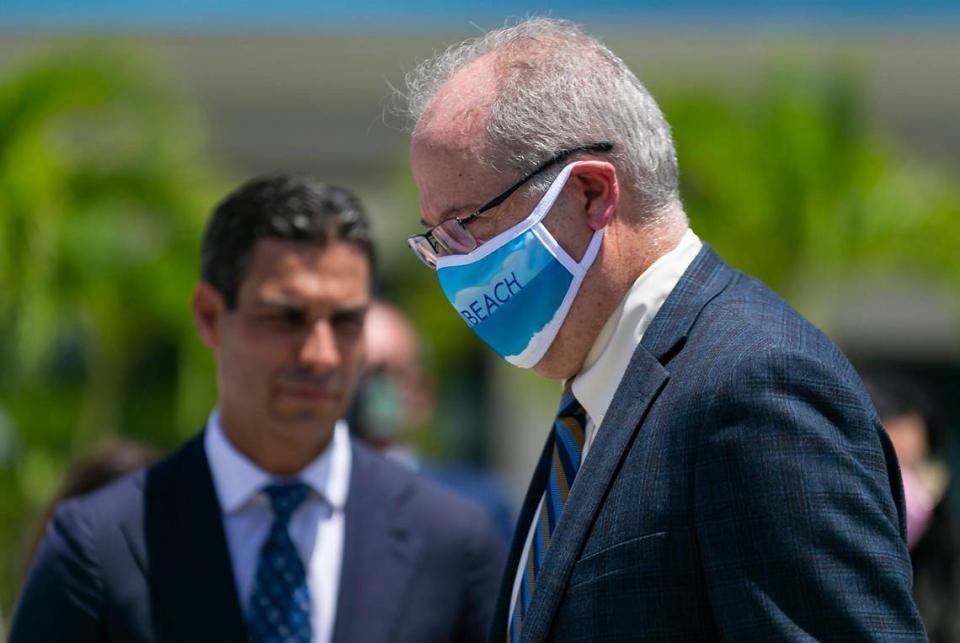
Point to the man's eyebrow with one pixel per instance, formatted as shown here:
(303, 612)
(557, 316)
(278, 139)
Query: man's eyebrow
(278, 301)
(355, 311)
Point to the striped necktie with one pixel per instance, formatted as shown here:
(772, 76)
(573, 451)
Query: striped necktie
(569, 430)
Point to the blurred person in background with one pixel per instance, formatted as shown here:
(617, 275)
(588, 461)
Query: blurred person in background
(716, 469)
(271, 524)
(921, 445)
(109, 461)
(396, 398)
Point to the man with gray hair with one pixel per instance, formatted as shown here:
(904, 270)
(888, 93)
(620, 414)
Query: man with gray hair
(715, 470)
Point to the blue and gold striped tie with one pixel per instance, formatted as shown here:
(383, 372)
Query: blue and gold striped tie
(569, 431)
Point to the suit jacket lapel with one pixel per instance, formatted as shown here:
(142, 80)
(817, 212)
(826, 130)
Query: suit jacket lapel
(706, 278)
(379, 554)
(192, 586)
(645, 377)
(133, 532)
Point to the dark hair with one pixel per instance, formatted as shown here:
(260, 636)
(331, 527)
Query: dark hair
(292, 208)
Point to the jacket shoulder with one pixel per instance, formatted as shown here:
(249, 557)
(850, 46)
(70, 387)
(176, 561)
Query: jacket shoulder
(429, 506)
(118, 501)
(749, 318)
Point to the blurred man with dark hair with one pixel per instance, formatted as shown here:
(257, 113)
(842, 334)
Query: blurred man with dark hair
(715, 470)
(271, 525)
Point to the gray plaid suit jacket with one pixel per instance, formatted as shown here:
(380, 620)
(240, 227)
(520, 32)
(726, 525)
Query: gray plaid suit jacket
(741, 488)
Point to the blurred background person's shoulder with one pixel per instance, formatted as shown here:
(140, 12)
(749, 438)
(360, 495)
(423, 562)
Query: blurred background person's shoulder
(110, 461)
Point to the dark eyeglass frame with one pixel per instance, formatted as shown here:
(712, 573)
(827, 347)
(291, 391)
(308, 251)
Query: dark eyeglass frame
(440, 249)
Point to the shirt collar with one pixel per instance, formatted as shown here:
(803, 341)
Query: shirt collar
(237, 479)
(607, 361)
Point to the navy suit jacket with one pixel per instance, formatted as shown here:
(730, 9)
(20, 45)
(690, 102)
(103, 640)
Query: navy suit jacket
(146, 560)
(740, 488)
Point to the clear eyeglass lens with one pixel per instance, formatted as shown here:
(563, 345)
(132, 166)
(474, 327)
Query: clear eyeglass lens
(424, 251)
(454, 238)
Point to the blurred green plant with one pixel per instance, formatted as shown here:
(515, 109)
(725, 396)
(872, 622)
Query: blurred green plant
(791, 185)
(103, 194)
(104, 190)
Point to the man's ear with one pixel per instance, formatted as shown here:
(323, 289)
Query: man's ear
(600, 189)
(209, 308)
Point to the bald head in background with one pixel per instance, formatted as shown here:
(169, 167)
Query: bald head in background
(397, 396)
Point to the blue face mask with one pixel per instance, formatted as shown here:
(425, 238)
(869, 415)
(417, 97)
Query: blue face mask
(515, 290)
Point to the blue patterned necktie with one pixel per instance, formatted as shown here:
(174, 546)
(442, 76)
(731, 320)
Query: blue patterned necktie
(280, 605)
(569, 432)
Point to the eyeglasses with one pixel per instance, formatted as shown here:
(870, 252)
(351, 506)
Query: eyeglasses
(451, 237)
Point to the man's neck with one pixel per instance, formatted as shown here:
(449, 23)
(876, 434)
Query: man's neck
(627, 255)
(276, 454)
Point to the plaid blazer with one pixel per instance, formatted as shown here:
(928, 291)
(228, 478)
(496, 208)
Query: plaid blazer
(740, 488)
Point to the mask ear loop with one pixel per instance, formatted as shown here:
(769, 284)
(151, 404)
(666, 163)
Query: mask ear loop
(550, 197)
(536, 216)
(577, 268)
(592, 250)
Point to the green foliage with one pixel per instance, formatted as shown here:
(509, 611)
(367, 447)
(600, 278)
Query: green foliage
(102, 199)
(791, 186)
(103, 194)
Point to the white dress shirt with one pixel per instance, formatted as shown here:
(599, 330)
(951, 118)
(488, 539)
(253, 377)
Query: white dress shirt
(316, 526)
(607, 361)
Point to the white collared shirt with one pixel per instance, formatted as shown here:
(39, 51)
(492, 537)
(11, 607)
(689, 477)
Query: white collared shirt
(607, 361)
(316, 526)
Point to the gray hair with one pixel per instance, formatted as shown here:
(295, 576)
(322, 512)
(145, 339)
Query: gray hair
(558, 88)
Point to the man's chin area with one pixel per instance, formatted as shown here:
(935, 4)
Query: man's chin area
(554, 369)
(307, 403)
(306, 417)
(298, 414)
(305, 430)
(565, 357)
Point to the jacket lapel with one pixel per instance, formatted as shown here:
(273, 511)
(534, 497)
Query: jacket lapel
(192, 586)
(645, 377)
(706, 278)
(379, 553)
